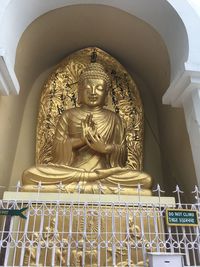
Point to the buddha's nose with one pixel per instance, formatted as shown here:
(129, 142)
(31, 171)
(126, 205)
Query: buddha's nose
(93, 90)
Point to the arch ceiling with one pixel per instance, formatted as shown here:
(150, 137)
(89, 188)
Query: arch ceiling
(58, 33)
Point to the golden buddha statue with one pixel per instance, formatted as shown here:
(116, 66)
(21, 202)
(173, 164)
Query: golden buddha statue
(89, 146)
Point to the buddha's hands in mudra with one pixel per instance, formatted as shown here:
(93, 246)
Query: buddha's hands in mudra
(92, 138)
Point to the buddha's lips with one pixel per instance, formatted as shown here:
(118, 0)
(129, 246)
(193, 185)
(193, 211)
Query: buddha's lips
(93, 98)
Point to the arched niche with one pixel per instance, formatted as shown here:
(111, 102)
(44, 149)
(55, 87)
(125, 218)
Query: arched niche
(41, 49)
(141, 50)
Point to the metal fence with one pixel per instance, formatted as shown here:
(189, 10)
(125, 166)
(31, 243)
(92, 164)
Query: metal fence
(74, 232)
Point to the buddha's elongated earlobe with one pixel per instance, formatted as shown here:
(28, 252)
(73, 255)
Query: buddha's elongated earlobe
(106, 101)
(79, 99)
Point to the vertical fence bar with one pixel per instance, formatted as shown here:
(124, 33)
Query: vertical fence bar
(70, 235)
(191, 239)
(40, 236)
(47, 233)
(99, 228)
(106, 234)
(8, 243)
(119, 213)
(133, 228)
(17, 232)
(4, 232)
(113, 236)
(196, 206)
(187, 256)
(22, 253)
(158, 217)
(8, 236)
(128, 235)
(54, 237)
(84, 235)
(141, 216)
(155, 220)
(148, 239)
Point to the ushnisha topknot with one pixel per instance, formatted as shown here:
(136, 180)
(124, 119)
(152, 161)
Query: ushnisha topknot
(95, 71)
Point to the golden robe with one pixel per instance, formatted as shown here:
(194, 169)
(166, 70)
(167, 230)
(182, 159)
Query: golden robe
(84, 165)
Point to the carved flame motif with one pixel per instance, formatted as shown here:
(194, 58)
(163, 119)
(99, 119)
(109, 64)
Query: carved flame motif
(60, 93)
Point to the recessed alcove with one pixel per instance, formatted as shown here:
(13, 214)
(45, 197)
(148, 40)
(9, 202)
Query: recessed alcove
(138, 47)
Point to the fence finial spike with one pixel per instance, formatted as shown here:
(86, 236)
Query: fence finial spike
(119, 189)
(100, 187)
(39, 187)
(61, 187)
(139, 189)
(158, 189)
(196, 190)
(18, 186)
(78, 187)
(178, 191)
(196, 193)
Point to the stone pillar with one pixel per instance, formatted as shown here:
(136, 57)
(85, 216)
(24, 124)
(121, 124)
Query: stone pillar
(191, 106)
(185, 92)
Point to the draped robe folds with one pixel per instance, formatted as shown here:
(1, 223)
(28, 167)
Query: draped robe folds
(72, 165)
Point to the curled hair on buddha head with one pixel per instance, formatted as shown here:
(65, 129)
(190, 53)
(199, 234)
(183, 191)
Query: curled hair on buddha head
(95, 71)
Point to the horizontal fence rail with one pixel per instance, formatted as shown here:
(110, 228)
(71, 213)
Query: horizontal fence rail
(94, 233)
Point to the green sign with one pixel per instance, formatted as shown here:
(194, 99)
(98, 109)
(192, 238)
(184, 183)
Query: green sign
(13, 212)
(181, 217)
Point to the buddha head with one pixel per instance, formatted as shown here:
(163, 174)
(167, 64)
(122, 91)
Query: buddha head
(93, 86)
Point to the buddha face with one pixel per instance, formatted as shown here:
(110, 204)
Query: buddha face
(92, 92)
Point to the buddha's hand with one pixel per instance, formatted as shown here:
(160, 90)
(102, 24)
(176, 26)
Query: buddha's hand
(88, 123)
(95, 142)
(92, 138)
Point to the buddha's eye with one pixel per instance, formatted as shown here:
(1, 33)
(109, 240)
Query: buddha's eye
(100, 87)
